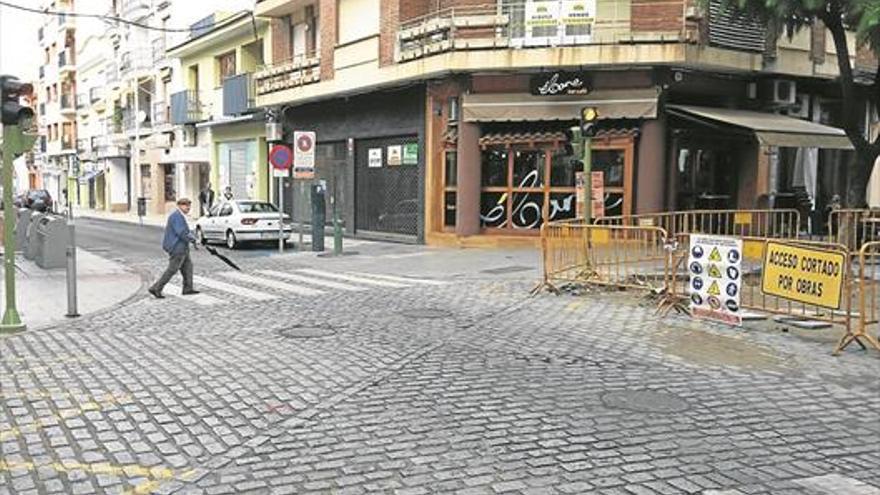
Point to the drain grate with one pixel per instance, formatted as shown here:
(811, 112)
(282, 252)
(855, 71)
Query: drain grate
(306, 332)
(645, 401)
(426, 313)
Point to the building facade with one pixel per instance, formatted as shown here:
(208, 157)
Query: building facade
(222, 140)
(697, 110)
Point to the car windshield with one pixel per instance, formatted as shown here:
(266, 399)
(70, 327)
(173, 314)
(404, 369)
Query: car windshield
(256, 207)
(37, 194)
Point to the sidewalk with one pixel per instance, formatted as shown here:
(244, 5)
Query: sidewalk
(42, 294)
(127, 217)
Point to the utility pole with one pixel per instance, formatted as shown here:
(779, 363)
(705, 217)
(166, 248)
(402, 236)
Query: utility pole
(15, 117)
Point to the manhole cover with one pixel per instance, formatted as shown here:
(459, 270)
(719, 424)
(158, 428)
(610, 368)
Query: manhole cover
(644, 401)
(306, 332)
(426, 313)
(508, 269)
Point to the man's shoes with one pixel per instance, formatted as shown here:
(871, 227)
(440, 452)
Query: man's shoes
(155, 293)
(191, 292)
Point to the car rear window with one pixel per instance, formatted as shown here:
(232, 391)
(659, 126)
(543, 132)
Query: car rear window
(257, 208)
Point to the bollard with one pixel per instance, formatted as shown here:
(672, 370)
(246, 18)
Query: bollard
(337, 233)
(71, 266)
(319, 213)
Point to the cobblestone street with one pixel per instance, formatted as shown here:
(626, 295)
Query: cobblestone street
(424, 371)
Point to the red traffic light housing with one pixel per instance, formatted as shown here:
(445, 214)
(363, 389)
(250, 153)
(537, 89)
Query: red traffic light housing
(12, 112)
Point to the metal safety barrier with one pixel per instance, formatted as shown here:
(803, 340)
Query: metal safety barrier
(619, 256)
(775, 224)
(853, 228)
(868, 270)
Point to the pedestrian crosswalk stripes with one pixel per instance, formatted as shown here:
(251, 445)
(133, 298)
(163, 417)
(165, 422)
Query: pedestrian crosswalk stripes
(267, 285)
(274, 284)
(200, 299)
(311, 280)
(233, 289)
(405, 280)
(352, 278)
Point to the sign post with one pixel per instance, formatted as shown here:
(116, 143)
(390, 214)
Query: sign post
(280, 157)
(715, 268)
(303, 163)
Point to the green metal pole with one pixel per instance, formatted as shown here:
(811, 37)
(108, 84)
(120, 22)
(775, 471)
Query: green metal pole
(11, 143)
(588, 180)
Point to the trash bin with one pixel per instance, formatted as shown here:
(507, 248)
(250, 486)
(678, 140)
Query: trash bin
(53, 238)
(33, 242)
(21, 228)
(142, 207)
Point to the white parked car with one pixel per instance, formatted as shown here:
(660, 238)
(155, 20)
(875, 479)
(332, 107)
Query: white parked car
(238, 221)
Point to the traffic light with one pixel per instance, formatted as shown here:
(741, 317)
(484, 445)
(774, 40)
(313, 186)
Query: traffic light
(574, 142)
(12, 112)
(589, 121)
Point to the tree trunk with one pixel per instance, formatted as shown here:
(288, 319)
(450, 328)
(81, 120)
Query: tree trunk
(857, 185)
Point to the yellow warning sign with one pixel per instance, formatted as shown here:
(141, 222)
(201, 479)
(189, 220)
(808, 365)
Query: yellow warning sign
(714, 290)
(714, 272)
(715, 256)
(807, 275)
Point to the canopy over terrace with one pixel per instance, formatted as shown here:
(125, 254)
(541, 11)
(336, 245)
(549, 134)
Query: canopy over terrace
(770, 129)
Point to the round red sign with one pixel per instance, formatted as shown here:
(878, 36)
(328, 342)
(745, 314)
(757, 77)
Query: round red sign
(280, 157)
(304, 143)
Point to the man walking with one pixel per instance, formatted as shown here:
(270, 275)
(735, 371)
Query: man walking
(206, 199)
(176, 244)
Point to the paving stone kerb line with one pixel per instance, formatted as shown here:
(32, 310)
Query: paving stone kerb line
(511, 403)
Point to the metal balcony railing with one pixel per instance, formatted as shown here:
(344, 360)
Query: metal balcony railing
(82, 100)
(158, 50)
(161, 113)
(112, 73)
(96, 94)
(186, 108)
(490, 26)
(68, 102)
(68, 142)
(130, 122)
(239, 94)
(113, 124)
(65, 59)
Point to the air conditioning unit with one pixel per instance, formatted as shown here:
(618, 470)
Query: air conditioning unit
(801, 107)
(784, 92)
(189, 135)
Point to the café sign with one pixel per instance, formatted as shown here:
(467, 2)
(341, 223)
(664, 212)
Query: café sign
(560, 83)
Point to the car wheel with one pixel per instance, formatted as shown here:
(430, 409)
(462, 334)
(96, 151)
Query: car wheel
(231, 242)
(200, 236)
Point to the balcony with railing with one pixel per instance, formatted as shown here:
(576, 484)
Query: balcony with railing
(96, 94)
(68, 103)
(161, 114)
(134, 60)
(294, 72)
(66, 61)
(513, 26)
(68, 142)
(111, 73)
(131, 121)
(159, 51)
(239, 95)
(113, 124)
(186, 107)
(82, 100)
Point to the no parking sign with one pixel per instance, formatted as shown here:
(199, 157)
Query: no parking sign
(715, 268)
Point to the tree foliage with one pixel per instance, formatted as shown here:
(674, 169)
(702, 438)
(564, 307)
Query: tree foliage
(838, 16)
